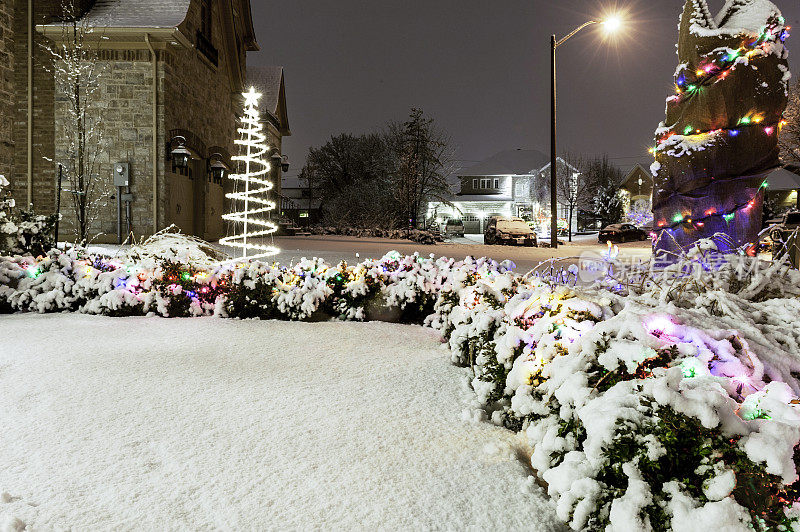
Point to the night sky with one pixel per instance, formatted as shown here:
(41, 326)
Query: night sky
(480, 68)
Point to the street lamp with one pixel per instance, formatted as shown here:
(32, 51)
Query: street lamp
(610, 24)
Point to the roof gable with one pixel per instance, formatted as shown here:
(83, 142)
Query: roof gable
(782, 179)
(269, 81)
(632, 178)
(509, 162)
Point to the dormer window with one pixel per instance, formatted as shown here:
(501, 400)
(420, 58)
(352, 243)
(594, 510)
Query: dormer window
(205, 19)
(204, 33)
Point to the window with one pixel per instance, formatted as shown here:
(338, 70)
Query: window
(205, 18)
(484, 183)
(205, 33)
(474, 183)
(496, 183)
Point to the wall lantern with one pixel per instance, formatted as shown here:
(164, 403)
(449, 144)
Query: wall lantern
(180, 155)
(217, 168)
(280, 160)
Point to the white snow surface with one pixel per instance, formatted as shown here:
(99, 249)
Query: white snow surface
(202, 423)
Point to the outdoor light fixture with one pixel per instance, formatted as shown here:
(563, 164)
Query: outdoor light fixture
(280, 160)
(217, 168)
(180, 155)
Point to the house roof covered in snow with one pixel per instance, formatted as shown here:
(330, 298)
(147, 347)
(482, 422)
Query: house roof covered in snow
(783, 179)
(160, 18)
(137, 13)
(509, 162)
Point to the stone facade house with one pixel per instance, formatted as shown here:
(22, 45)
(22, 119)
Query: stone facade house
(171, 77)
(509, 183)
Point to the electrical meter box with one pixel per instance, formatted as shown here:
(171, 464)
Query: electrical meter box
(122, 173)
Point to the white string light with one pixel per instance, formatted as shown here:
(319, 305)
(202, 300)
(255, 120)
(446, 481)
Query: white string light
(255, 187)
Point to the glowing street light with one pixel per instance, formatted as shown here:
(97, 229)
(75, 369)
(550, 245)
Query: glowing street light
(611, 24)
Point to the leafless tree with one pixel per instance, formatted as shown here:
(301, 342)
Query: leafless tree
(76, 72)
(573, 188)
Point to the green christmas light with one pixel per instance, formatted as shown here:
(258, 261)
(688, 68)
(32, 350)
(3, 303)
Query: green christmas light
(688, 368)
(687, 130)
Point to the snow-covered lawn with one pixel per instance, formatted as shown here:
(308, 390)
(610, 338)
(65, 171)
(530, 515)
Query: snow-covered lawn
(203, 423)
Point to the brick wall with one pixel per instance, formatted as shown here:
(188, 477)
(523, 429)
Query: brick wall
(6, 87)
(43, 134)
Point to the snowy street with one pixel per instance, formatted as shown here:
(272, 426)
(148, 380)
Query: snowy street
(336, 248)
(151, 423)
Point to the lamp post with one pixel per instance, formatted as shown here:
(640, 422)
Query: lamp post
(611, 25)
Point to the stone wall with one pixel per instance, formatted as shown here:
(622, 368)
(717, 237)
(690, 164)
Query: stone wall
(6, 88)
(193, 82)
(123, 104)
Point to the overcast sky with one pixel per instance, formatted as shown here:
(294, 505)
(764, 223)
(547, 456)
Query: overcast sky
(479, 67)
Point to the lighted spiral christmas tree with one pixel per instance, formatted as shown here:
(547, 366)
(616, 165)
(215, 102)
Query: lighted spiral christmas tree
(253, 200)
(720, 139)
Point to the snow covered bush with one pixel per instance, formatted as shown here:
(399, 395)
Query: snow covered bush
(25, 232)
(671, 403)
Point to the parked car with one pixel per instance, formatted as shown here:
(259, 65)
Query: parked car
(500, 230)
(454, 227)
(622, 233)
(779, 228)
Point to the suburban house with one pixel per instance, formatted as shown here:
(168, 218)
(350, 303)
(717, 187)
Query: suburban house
(637, 196)
(167, 100)
(298, 204)
(510, 183)
(782, 190)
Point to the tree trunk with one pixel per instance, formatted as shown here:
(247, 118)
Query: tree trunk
(570, 222)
